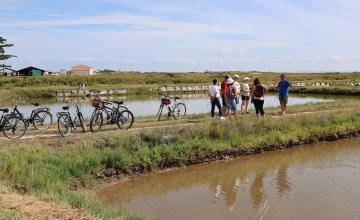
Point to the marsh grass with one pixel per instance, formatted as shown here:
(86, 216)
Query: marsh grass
(59, 175)
(140, 83)
(8, 214)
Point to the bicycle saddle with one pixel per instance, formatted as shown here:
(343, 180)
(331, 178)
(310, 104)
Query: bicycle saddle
(5, 110)
(65, 108)
(119, 102)
(35, 104)
(176, 97)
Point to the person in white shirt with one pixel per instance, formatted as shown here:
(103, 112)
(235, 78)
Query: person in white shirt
(214, 94)
(237, 88)
(245, 95)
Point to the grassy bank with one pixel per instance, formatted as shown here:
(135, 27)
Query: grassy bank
(61, 174)
(140, 83)
(8, 214)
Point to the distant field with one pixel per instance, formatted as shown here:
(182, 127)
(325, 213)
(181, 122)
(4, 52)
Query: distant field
(46, 85)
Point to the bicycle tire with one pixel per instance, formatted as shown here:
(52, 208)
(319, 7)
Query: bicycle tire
(38, 118)
(125, 117)
(179, 111)
(158, 116)
(11, 124)
(64, 125)
(96, 119)
(82, 122)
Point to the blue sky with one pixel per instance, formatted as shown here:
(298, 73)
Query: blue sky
(184, 35)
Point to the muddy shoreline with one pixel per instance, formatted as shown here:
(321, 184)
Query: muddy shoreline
(113, 176)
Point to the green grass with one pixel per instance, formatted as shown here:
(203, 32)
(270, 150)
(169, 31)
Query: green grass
(56, 175)
(139, 83)
(8, 214)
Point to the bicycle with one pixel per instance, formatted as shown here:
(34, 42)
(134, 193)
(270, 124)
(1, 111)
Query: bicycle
(115, 112)
(11, 125)
(65, 122)
(40, 118)
(177, 110)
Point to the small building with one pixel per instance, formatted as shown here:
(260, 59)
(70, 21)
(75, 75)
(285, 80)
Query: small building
(81, 70)
(31, 71)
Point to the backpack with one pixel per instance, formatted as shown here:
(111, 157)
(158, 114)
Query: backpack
(231, 93)
(259, 91)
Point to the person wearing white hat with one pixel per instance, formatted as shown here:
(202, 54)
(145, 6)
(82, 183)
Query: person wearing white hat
(230, 95)
(245, 96)
(237, 87)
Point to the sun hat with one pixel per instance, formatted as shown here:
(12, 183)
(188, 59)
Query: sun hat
(246, 78)
(230, 81)
(236, 76)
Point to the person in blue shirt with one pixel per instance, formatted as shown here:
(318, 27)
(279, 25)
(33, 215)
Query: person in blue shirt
(283, 87)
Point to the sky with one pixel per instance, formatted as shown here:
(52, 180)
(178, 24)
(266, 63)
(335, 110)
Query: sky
(184, 35)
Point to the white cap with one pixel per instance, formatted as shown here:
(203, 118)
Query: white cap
(230, 81)
(246, 78)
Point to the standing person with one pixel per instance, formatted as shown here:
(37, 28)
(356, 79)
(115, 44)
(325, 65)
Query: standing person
(258, 93)
(214, 94)
(237, 88)
(283, 87)
(245, 95)
(230, 95)
(223, 98)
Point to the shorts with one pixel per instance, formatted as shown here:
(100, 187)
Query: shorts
(283, 100)
(223, 100)
(244, 98)
(231, 105)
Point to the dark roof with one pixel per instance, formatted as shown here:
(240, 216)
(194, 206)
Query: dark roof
(31, 67)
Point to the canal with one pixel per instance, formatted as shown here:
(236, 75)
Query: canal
(319, 181)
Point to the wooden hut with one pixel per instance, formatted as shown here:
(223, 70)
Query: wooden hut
(31, 71)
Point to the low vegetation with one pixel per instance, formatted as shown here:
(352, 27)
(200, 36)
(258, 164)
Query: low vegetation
(61, 174)
(139, 83)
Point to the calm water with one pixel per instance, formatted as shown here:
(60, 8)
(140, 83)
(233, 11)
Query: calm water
(149, 105)
(319, 181)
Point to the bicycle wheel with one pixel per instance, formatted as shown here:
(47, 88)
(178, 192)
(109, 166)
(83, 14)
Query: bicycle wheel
(179, 111)
(42, 120)
(64, 125)
(122, 108)
(158, 116)
(96, 122)
(125, 120)
(82, 122)
(14, 127)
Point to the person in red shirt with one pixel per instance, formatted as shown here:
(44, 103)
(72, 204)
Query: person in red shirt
(223, 97)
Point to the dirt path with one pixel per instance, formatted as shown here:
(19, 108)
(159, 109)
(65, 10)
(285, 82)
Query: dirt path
(42, 136)
(29, 207)
(54, 133)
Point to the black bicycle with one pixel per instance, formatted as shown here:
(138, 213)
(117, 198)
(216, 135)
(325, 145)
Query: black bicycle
(40, 118)
(176, 110)
(115, 113)
(66, 124)
(11, 125)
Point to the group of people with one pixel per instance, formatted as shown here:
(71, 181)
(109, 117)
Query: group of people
(227, 96)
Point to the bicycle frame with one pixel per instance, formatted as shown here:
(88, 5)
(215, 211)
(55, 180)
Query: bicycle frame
(72, 125)
(31, 118)
(111, 112)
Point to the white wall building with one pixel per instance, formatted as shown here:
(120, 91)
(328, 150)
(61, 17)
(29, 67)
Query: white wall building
(82, 70)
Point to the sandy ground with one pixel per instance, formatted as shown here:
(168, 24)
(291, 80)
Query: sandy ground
(29, 207)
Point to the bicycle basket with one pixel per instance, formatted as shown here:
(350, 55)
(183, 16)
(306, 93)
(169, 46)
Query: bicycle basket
(95, 103)
(166, 101)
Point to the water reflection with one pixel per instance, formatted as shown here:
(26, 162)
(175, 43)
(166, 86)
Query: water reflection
(251, 187)
(149, 105)
(283, 182)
